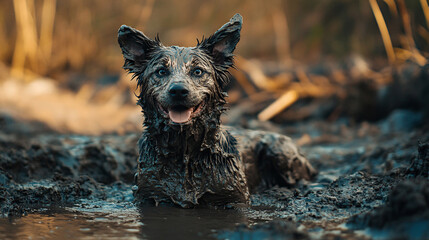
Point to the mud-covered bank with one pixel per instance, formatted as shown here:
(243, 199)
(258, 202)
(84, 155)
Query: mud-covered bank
(40, 169)
(372, 182)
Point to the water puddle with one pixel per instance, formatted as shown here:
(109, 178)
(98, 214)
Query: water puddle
(118, 222)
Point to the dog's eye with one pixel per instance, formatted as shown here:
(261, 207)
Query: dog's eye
(161, 72)
(197, 72)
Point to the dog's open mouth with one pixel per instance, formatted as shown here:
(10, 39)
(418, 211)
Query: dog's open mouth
(181, 113)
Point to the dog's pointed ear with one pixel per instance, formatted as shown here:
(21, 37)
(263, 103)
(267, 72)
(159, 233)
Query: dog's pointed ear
(136, 48)
(222, 43)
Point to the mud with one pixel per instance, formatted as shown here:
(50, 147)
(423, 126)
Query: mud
(45, 169)
(407, 208)
(372, 183)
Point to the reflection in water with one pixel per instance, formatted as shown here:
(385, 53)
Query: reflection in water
(61, 224)
(102, 223)
(177, 223)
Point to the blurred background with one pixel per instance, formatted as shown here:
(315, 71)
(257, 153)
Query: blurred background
(60, 64)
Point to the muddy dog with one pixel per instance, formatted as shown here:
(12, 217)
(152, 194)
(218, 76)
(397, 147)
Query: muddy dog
(187, 157)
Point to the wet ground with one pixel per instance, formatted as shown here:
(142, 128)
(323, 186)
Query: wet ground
(372, 183)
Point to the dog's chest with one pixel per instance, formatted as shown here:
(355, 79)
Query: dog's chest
(188, 180)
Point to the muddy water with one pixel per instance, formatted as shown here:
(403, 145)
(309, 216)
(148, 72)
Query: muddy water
(63, 224)
(121, 223)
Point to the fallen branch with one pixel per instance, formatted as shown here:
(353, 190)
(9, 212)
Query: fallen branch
(287, 99)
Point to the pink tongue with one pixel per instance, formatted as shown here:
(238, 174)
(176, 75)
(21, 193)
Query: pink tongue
(180, 117)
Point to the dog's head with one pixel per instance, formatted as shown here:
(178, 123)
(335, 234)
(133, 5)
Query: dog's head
(178, 84)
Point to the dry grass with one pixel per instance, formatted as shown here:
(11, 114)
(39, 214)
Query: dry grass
(383, 30)
(425, 9)
(50, 38)
(55, 39)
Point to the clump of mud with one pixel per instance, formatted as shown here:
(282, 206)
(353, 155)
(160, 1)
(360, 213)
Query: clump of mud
(405, 214)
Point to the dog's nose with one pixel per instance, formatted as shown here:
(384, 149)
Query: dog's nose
(178, 91)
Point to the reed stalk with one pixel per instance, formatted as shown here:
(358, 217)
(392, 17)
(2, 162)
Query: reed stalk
(383, 30)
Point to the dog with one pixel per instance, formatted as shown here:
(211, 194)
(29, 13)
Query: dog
(186, 157)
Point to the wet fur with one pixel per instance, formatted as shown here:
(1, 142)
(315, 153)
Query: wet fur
(199, 162)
